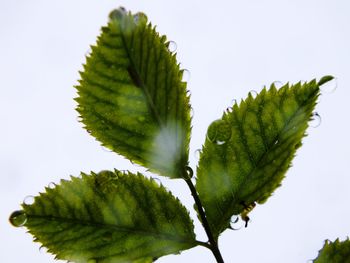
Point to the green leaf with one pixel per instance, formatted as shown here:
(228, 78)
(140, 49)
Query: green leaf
(334, 252)
(132, 98)
(248, 151)
(108, 217)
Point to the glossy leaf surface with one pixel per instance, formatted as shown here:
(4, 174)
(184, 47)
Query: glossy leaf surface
(132, 97)
(334, 252)
(248, 150)
(109, 217)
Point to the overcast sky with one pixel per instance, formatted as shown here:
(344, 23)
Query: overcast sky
(230, 48)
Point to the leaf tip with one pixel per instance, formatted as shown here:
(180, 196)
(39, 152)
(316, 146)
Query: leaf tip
(325, 79)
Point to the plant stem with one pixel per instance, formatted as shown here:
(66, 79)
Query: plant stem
(213, 244)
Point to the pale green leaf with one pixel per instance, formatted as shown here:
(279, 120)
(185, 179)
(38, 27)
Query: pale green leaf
(248, 150)
(108, 217)
(132, 97)
(334, 252)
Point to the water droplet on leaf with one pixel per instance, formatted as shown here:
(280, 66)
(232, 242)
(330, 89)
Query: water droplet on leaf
(253, 93)
(88, 52)
(157, 180)
(29, 200)
(139, 17)
(278, 84)
(18, 218)
(186, 75)
(236, 223)
(315, 120)
(52, 185)
(172, 46)
(43, 250)
(234, 101)
(197, 154)
(219, 132)
(328, 84)
(191, 112)
(229, 110)
(234, 219)
(117, 13)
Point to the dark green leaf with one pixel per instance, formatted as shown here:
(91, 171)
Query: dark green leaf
(248, 151)
(334, 252)
(132, 98)
(108, 217)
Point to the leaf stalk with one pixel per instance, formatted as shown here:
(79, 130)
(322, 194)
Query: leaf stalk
(213, 245)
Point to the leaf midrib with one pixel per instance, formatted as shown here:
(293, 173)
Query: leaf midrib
(118, 228)
(142, 85)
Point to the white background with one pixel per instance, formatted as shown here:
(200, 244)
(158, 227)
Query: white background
(230, 48)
